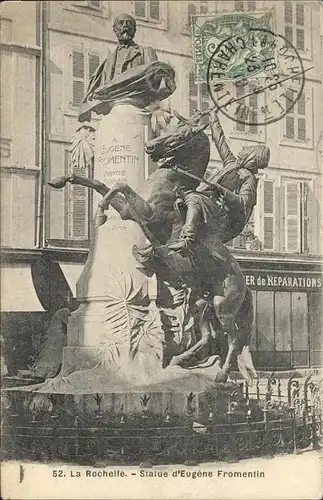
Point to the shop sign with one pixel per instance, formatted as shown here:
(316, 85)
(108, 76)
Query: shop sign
(281, 281)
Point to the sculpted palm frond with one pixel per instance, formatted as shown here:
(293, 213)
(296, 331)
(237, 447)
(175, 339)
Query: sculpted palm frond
(129, 318)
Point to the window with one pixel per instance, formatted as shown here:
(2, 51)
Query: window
(269, 215)
(295, 24)
(247, 109)
(196, 8)
(265, 321)
(283, 334)
(299, 320)
(78, 209)
(295, 122)
(19, 207)
(90, 4)
(297, 228)
(241, 5)
(83, 66)
(315, 327)
(199, 98)
(70, 211)
(282, 320)
(147, 10)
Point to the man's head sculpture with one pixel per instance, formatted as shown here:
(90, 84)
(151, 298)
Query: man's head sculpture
(187, 147)
(124, 26)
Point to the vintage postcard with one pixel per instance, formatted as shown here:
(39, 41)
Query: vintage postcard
(161, 251)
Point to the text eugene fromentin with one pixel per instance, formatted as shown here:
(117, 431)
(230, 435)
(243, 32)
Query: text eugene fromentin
(146, 474)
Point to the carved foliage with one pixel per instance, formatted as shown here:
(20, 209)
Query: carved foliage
(131, 319)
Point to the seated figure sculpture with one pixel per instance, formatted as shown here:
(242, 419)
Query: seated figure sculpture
(124, 65)
(235, 185)
(130, 74)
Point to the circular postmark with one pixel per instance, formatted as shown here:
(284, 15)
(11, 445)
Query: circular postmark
(268, 77)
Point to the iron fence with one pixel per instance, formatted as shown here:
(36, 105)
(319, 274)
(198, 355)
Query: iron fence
(260, 424)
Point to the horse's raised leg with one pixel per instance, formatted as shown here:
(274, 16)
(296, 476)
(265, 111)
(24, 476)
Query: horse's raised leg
(140, 207)
(61, 182)
(119, 202)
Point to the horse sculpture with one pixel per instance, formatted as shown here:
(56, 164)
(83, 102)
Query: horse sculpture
(220, 301)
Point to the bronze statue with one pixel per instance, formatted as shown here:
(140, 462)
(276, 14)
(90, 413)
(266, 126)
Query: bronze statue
(126, 55)
(124, 73)
(218, 296)
(131, 74)
(235, 185)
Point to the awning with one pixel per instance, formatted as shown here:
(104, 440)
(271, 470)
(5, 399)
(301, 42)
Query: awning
(72, 271)
(17, 289)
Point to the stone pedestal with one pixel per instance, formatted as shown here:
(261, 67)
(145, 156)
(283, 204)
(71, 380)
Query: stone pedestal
(111, 285)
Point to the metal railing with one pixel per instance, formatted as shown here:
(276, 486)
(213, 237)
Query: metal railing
(278, 420)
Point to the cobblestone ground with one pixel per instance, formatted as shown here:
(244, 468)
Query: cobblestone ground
(286, 477)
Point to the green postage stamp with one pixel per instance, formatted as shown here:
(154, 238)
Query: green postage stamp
(243, 33)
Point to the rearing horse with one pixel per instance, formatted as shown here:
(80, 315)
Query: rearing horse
(217, 284)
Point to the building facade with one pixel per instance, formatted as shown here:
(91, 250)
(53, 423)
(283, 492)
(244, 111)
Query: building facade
(49, 51)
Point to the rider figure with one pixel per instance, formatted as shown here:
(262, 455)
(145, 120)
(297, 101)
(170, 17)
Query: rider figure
(235, 186)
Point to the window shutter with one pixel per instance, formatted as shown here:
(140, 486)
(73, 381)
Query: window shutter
(78, 204)
(78, 64)
(305, 192)
(290, 132)
(300, 14)
(154, 10)
(301, 129)
(301, 105)
(239, 5)
(240, 91)
(78, 92)
(300, 40)
(288, 12)
(251, 5)
(289, 33)
(140, 8)
(78, 77)
(289, 99)
(268, 215)
(78, 210)
(292, 206)
(301, 122)
(94, 61)
(290, 127)
(253, 103)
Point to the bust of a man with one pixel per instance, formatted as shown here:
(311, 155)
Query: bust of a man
(127, 54)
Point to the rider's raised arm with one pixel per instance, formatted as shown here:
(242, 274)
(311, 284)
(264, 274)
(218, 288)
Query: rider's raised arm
(219, 140)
